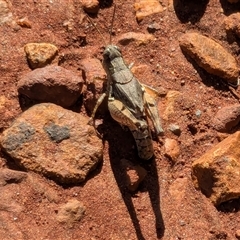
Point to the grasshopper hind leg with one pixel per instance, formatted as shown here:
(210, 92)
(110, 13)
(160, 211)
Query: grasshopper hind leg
(123, 116)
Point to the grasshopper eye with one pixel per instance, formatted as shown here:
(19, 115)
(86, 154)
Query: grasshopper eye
(118, 49)
(106, 52)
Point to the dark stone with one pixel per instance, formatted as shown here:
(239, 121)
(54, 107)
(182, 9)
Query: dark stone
(23, 134)
(57, 133)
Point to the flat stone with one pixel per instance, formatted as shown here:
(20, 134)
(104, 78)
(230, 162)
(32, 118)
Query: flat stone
(40, 54)
(211, 56)
(72, 211)
(139, 38)
(51, 84)
(144, 8)
(227, 118)
(217, 172)
(54, 142)
(8, 176)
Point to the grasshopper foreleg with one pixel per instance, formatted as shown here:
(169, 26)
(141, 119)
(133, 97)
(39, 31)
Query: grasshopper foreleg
(99, 101)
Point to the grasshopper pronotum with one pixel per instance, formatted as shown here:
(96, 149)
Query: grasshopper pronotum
(128, 101)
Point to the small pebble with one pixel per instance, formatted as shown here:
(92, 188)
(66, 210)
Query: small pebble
(237, 234)
(182, 223)
(153, 27)
(198, 113)
(174, 128)
(182, 83)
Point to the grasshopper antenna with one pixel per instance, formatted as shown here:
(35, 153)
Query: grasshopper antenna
(90, 20)
(114, 10)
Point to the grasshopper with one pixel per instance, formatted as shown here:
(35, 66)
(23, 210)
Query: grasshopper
(129, 103)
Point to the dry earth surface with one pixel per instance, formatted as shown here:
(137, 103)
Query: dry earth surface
(166, 205)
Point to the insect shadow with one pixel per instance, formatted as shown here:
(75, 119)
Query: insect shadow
(121, 145)
(190, 11)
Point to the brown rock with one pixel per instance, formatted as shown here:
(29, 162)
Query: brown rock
(211, 56)
(93, 70)
(134, 174)
(54, 142)
(144, 8)
(227, 118)
(139, 38)
(24, 22)
(90, 6)
(232, 24)
(95, 77)
(11, 176)
(172, 149)
(216, 173)
(72, 211)
(40, 54)
(51, 84)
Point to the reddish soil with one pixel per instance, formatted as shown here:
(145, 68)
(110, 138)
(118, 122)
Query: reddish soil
(112, 212)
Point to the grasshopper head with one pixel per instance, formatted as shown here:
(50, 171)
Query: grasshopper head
(111, 52)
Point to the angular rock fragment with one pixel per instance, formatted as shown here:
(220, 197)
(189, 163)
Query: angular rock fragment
(211, 56)
(144, 8)
(217, 172)
(51, 84)
(172, 149)
(135, 174)
(227, 118)
(54, 142)
(139, 38)
(40, 54)
(174, 128)
(24, 22)
(232, 24)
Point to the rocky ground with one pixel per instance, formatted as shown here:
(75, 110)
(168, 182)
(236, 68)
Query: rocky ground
(60, 179)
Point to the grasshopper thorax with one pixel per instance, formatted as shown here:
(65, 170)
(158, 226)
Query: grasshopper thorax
(111, 52)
